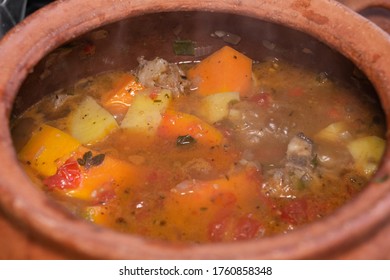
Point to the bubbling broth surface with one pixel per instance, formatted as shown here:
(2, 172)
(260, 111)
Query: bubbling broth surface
(154, 152)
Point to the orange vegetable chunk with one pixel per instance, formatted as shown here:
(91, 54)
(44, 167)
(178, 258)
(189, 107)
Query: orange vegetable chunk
(47, 145)
(119, 98)
(175, 124)
(98, 214)
(195, 204)
(103, 179)
(226, 70)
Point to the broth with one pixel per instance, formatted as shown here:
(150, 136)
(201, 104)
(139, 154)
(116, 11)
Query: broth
(181, 165)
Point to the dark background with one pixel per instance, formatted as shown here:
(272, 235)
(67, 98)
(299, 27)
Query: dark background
(13, 11)
(33, 5)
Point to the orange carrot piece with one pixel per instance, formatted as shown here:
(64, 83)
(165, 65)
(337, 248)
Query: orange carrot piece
(119, 98)
(175, 124)
(226, 70)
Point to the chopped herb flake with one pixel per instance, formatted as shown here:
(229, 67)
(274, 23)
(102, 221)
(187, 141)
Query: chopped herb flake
(184, 47)
(185, 140)
(89, 160)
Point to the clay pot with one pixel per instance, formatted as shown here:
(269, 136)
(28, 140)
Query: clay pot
(33, 226)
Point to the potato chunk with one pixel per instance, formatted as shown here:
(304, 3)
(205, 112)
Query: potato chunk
(144, 114)
(90, 122)
(215, 107)
(367, 153)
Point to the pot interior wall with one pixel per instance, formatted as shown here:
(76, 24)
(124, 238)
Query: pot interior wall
(117, 46)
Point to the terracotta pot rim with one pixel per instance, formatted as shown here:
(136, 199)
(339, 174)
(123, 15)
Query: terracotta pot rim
(29, 207)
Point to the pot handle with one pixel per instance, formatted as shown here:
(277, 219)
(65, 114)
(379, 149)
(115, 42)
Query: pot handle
(360, 5)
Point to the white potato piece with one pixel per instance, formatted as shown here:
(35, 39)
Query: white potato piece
(335, 132)
(144, 114)
(90, 122)
(367, 152)
(215, 107)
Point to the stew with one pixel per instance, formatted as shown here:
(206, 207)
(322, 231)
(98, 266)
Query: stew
(222, 150)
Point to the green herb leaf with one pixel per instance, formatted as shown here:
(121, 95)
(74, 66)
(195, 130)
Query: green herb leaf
(185, 140)
(184, 47)
(97, 160)
(81, 161)
(89, 160)
(87, 156)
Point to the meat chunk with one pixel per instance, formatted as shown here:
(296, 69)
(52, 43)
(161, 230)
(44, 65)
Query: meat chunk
(297, 172)
(160, 73)
(300, 155)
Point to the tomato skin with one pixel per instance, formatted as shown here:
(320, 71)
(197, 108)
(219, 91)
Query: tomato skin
(247, 228)
(68, 176)
(217, 229)
(153, 95)
(262, 99)
(228, 228)
(295, 212)
(304, 210)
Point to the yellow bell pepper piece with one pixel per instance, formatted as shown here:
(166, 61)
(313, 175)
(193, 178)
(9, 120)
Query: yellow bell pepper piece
(45, 147)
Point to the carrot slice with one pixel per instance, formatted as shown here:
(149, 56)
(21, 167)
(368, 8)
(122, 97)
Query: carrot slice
(226, 70)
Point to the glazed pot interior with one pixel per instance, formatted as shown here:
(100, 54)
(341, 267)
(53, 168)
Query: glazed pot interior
(117, 45)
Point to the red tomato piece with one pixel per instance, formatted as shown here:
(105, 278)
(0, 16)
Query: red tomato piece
(104, 195)
(295, 212)
(153, 95)
(247, 228)
(68, 176)
(227, 227)
(263, 99)
(218, 228)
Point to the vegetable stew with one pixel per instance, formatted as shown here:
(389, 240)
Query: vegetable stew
(221, 150)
